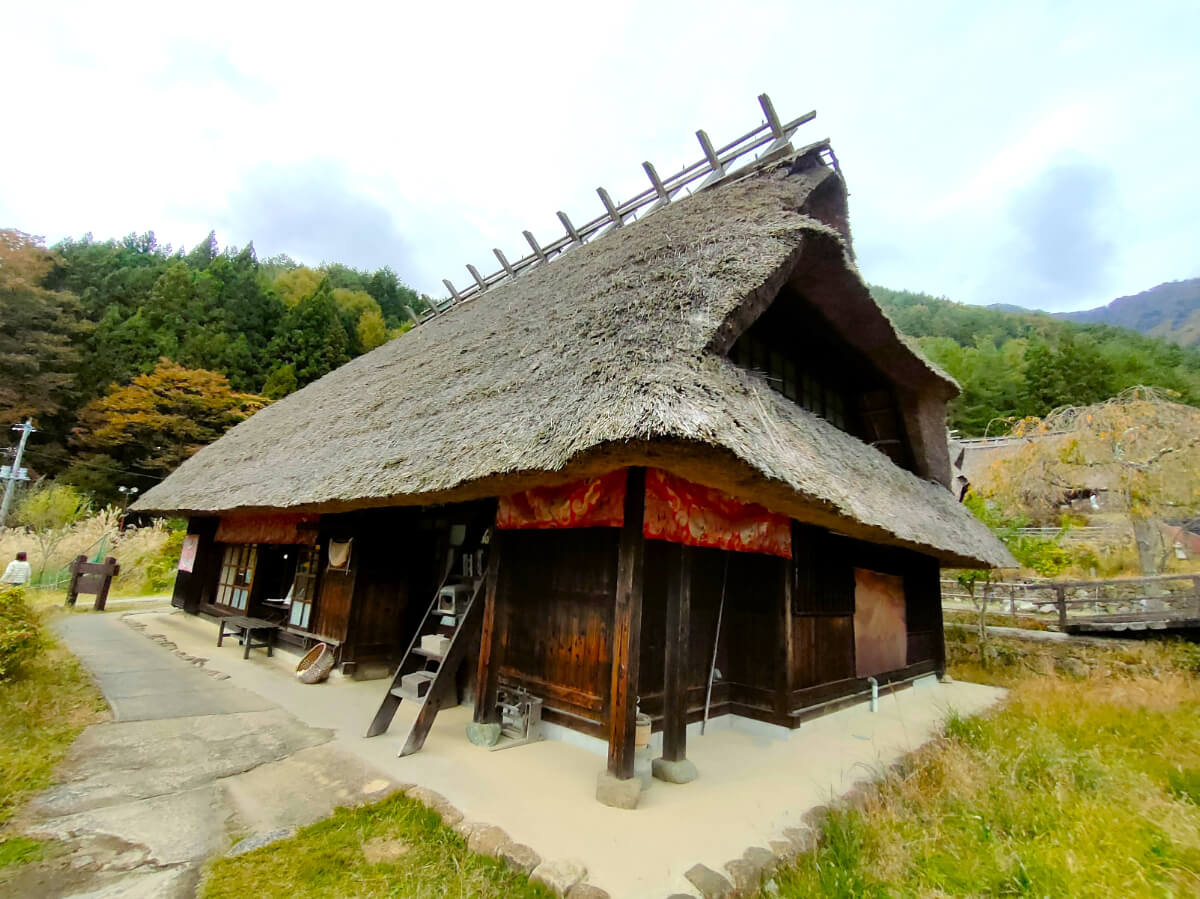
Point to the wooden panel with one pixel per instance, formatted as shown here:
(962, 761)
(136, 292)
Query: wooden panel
(751, 626)
(822, 649)
(554, 608)
(333, 607)
(880, 634)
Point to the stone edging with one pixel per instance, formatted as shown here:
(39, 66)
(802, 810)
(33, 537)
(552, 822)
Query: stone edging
(565, 877)
(161, 640)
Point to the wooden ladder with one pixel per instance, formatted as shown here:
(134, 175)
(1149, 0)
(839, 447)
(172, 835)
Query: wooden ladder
(426, 677)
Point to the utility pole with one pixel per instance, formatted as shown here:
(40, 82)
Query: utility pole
(15, 474)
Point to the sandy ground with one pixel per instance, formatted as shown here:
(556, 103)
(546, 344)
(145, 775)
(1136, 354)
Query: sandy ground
(751, 786)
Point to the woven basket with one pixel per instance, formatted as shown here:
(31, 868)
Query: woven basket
(316, 665)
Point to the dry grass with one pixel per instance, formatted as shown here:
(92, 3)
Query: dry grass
(1077, 786)
(135, 549)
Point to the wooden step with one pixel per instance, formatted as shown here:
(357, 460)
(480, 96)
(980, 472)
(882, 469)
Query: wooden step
(407, 695)
(417, 650)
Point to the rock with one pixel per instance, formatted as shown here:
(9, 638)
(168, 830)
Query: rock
(744, 874)
(588, 891)
(618, 793)
(483, 734)
(465, 828)
(262, 839)
(710, 884)
(784, 850)
(381, 850)
(487, 840)
(560, 876)
(763, 859)
(437, 803)
(803, 838)
(519, 857)
(680, 772)
(1073, 667)
(946, 679)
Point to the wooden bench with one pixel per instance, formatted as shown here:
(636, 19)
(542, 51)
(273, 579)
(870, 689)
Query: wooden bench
(245, 628)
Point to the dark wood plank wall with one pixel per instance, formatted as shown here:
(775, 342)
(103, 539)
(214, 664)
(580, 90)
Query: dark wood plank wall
(554, 609)
(198, 587)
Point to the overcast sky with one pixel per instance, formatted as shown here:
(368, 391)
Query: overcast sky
(1045, 154)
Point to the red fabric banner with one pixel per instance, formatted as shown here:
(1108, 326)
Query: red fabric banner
(676, 510)
(594, 503)
(291, 530)
(682, 512)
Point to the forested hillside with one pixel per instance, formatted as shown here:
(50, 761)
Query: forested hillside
(1017, 364)
(1170, 311)
(129, 355)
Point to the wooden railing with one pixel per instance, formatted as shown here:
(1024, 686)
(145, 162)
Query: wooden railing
(1131, 598)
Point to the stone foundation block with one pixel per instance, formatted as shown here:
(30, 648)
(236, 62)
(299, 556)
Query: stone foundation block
(618, 793)
(680, 772)
(587, 891)
(483, 734)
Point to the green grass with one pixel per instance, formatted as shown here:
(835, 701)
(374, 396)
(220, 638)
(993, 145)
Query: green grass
(1075, 787)
(18, 850)
(41, 713)
(327, 859)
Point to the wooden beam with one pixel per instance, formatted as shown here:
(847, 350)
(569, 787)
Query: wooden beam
(487, 681)
(627, 628)
(675, 653)
(784, 660)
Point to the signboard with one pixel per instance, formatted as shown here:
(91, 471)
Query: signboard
(187, 557)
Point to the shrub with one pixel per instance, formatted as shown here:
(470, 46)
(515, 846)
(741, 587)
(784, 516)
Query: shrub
(20, 635)
(160, 568)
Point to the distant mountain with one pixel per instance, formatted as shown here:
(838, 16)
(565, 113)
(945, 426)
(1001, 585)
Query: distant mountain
(1170, 311)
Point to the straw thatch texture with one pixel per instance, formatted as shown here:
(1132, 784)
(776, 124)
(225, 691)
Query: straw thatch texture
(612, 347)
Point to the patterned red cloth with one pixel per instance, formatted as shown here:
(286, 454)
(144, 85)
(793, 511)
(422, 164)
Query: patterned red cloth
(682, 512)
(594, 503)
(676, 510)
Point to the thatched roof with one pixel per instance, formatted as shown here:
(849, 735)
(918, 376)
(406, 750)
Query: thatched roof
(609, 355)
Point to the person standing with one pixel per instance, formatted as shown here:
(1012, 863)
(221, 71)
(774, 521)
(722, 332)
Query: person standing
(18, 572)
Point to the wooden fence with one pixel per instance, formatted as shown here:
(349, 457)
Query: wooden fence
(1157, 602)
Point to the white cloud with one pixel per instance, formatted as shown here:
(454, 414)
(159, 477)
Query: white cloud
(469, 122)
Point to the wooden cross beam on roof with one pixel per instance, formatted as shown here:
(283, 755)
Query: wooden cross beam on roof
(766, 142)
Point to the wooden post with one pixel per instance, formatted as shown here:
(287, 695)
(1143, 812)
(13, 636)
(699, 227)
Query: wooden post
(1060, 597)
(487, 681)
(675, 653)
(73, 586)
(783, 658)
(102, 595)
(627, 629)
(1012, 603)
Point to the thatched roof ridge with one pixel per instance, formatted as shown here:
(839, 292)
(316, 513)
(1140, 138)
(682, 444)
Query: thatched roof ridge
(614, 345)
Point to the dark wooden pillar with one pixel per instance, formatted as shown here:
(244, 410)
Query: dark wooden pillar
(784, 661)
(627, 629)
(487, 681)
(675, 653)
(191, 586)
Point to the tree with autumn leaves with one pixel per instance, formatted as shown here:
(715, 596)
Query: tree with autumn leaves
(1140, 449)
(152, 424)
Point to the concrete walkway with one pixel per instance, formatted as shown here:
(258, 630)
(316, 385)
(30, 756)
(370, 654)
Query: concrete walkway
(188, 761)
(752, 788)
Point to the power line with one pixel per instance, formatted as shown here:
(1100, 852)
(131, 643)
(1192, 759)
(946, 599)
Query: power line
(134, 474)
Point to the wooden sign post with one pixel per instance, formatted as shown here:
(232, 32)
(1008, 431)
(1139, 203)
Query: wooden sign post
(92, 577)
